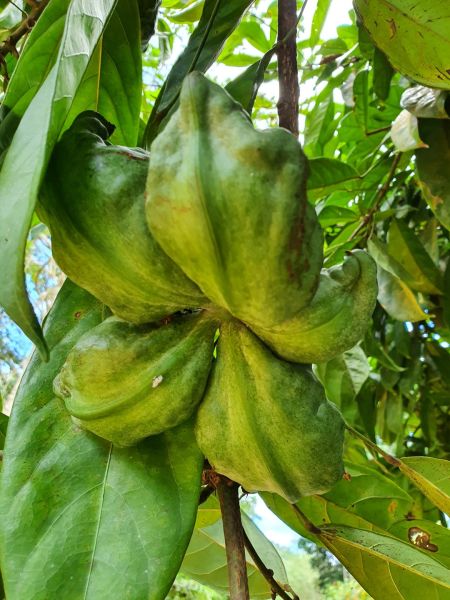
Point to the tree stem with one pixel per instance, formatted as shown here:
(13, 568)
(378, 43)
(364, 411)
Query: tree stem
(227, 492)
(287, 66)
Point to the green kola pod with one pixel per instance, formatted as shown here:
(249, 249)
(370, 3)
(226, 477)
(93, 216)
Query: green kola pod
(92, 199)
(125, 382)
(337, 317)
(266, 423)
(236, 198)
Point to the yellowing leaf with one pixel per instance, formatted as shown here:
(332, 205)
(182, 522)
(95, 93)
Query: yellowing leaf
(431, 476)
(413, 35)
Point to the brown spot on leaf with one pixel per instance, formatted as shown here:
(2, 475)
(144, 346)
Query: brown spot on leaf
(392, 27)
(419, 537)
(78, 314)
(346, 476)
(392, 506)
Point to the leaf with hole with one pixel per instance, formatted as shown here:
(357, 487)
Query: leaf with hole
(385, 566)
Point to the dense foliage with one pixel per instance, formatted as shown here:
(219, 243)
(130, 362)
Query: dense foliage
(84, 518)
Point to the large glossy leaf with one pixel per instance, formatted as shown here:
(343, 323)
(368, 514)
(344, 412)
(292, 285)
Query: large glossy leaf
(387, 567)
(117, 520)
(45, 116)
(217, 22)
(411, 254)
(431, 476)
(35, 61)
(399, 27)
(112, 82)
(432, 166)
(206, 560)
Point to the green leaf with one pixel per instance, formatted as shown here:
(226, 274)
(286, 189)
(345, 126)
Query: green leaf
(398, 26)
(118, 519)
(446, 297)
(317, 509)
(426, 535)
(393, 293)
(318, 127)
(217, 22)
(45, 116)
(328, 175)
(432, 167)
(387, 567)
(411, 254)
(4, 419)
(245, 87)
(332, 215)
(397, 298)
(431, 476)
(253, 33)
(367, 500)
(318, 21)
(191, 14)
(112, 82)
(382, 74)
(361, 97)
(374, 348)
(206, 562)
(441, 358)
(343, 378)
(35, 61)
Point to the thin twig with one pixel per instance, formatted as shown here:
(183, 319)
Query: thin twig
(379, 197)
(205, 493)
(373, 447)
(18, 7)
(227, 492)
(307, 524)
(25, 26)
(267, 573)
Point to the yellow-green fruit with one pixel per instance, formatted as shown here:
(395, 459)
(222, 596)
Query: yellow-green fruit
(337, 317)
(266, 423)
(236, 198)
(125, 382)
(92, 199)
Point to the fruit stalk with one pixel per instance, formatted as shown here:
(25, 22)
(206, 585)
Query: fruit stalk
(227, 492)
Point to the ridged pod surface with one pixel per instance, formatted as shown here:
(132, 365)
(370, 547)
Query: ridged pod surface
(266, 423)
(92, 200)
(236, 198)
(126, 382)
(337, 317)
